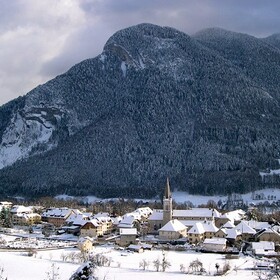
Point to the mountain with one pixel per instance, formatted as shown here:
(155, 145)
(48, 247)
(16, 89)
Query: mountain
(202, 110)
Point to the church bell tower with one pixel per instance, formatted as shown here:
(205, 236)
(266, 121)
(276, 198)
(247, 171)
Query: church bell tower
(167, 204)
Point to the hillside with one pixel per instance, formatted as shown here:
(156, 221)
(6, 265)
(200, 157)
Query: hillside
(203, 110)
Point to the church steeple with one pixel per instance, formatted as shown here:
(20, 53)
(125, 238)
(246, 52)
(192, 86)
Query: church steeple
(167, 193)
(167, 203)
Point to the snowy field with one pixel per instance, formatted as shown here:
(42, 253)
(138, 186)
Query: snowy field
(181, 197)
(18, 266)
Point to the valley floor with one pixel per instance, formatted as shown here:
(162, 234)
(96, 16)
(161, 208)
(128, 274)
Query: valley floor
(124, 265)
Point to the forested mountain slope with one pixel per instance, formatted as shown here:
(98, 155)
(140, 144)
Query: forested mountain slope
(202, 110)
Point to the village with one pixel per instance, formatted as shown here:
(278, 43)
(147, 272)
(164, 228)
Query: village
(205, 229)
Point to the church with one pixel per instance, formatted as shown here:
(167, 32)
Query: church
(188, 217)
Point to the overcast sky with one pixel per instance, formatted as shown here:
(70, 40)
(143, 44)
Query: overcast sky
(40, 39)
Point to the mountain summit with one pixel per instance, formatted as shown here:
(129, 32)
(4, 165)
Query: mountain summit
(202, 110)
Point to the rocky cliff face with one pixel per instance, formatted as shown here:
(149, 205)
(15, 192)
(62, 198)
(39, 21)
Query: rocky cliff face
(203, 110)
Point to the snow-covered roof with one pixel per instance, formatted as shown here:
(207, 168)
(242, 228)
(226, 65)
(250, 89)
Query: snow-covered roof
(101, 214)
(58, 212)
(157, 215)
(127, 221)
(228, 224)
(83, 239)
(78, 219)
(224, 230)
(233, 233)
(235, 215)
(257, 225)
(264, 245)
(174, 226)
(218, 241)
(128, 231)
(104, 219)
(209, 226)
(197, 229)
(244, 228)
(196, 212)
(144, 211)
(116, 220)
(21, 209)
(271, 231)
(189, 223)
(135, 215)
(94, 222)
(134, 247)
(6, 203)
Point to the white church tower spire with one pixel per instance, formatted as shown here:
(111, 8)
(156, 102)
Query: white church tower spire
(167, 204)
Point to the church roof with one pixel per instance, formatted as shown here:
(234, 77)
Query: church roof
(157, 215)
(196, 212)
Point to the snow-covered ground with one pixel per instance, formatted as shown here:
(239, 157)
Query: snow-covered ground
(18, 266)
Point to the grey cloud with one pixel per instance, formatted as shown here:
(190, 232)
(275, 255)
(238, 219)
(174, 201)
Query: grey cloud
(30, 58)
(258, 17)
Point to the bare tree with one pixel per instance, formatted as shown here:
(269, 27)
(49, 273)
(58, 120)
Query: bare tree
(2, 277)
(53, 273)
(165, 263)
(196, 266)
(100, 260)
(182, 268)
(156, 264)
(144, 264)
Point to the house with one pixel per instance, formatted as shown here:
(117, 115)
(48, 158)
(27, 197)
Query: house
(127, 237)
(58, 216)
(75, 221)
(221, 233)
(214, 245)
(202, 230)
(92, 228)
(20, 209)
(233, 235)
(209, 229)
(196, 234)
(268, 235)
(144, 212)
(246, 231)
(6, 204)
(256, 225)
(173, 230)
(107, 224)
(263, 248)
(85, 244)
(128, 221)
(234, 217)
(26, 219)
(78, 219)
(22, 215)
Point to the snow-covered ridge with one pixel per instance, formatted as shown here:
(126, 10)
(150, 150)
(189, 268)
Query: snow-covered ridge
(26, 131)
